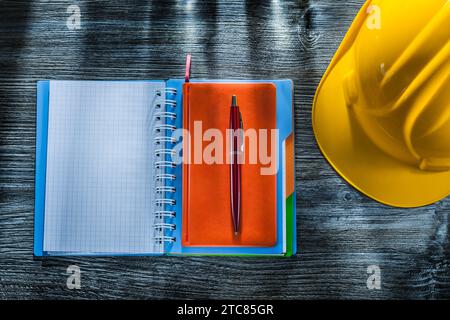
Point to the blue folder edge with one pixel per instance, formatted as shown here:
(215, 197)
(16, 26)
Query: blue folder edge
(284, 114)
(43, 91)
(284, 90)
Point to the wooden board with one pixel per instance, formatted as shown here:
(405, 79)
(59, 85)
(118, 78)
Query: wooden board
(340, 232)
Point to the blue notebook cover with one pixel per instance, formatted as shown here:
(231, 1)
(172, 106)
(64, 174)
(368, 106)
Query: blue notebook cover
(284, 122)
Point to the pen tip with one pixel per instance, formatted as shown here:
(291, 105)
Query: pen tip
(233, 101)
(235, 233)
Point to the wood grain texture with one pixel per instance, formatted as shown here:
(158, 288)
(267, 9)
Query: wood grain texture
(340, 232)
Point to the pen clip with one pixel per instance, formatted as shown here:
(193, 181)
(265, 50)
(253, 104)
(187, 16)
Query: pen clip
(241, 137)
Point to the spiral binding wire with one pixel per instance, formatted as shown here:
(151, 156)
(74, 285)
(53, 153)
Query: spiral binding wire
(164, 127)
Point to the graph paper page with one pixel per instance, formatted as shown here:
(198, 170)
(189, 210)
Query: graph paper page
(100, 172)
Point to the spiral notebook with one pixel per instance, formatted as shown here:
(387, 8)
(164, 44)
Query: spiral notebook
(107, 183)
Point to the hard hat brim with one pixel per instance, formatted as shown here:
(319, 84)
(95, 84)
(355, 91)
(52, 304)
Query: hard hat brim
(357, 159)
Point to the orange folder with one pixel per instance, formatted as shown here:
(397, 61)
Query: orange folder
(206, 187)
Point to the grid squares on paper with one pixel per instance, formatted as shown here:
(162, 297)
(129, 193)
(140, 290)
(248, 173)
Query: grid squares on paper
(100, 171)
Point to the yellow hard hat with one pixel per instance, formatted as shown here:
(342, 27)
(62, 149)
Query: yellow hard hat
(381, 114)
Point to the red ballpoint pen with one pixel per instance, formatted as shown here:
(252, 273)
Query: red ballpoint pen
(235, 164)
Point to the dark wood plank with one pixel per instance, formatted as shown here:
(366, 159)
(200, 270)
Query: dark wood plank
(340, 232)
